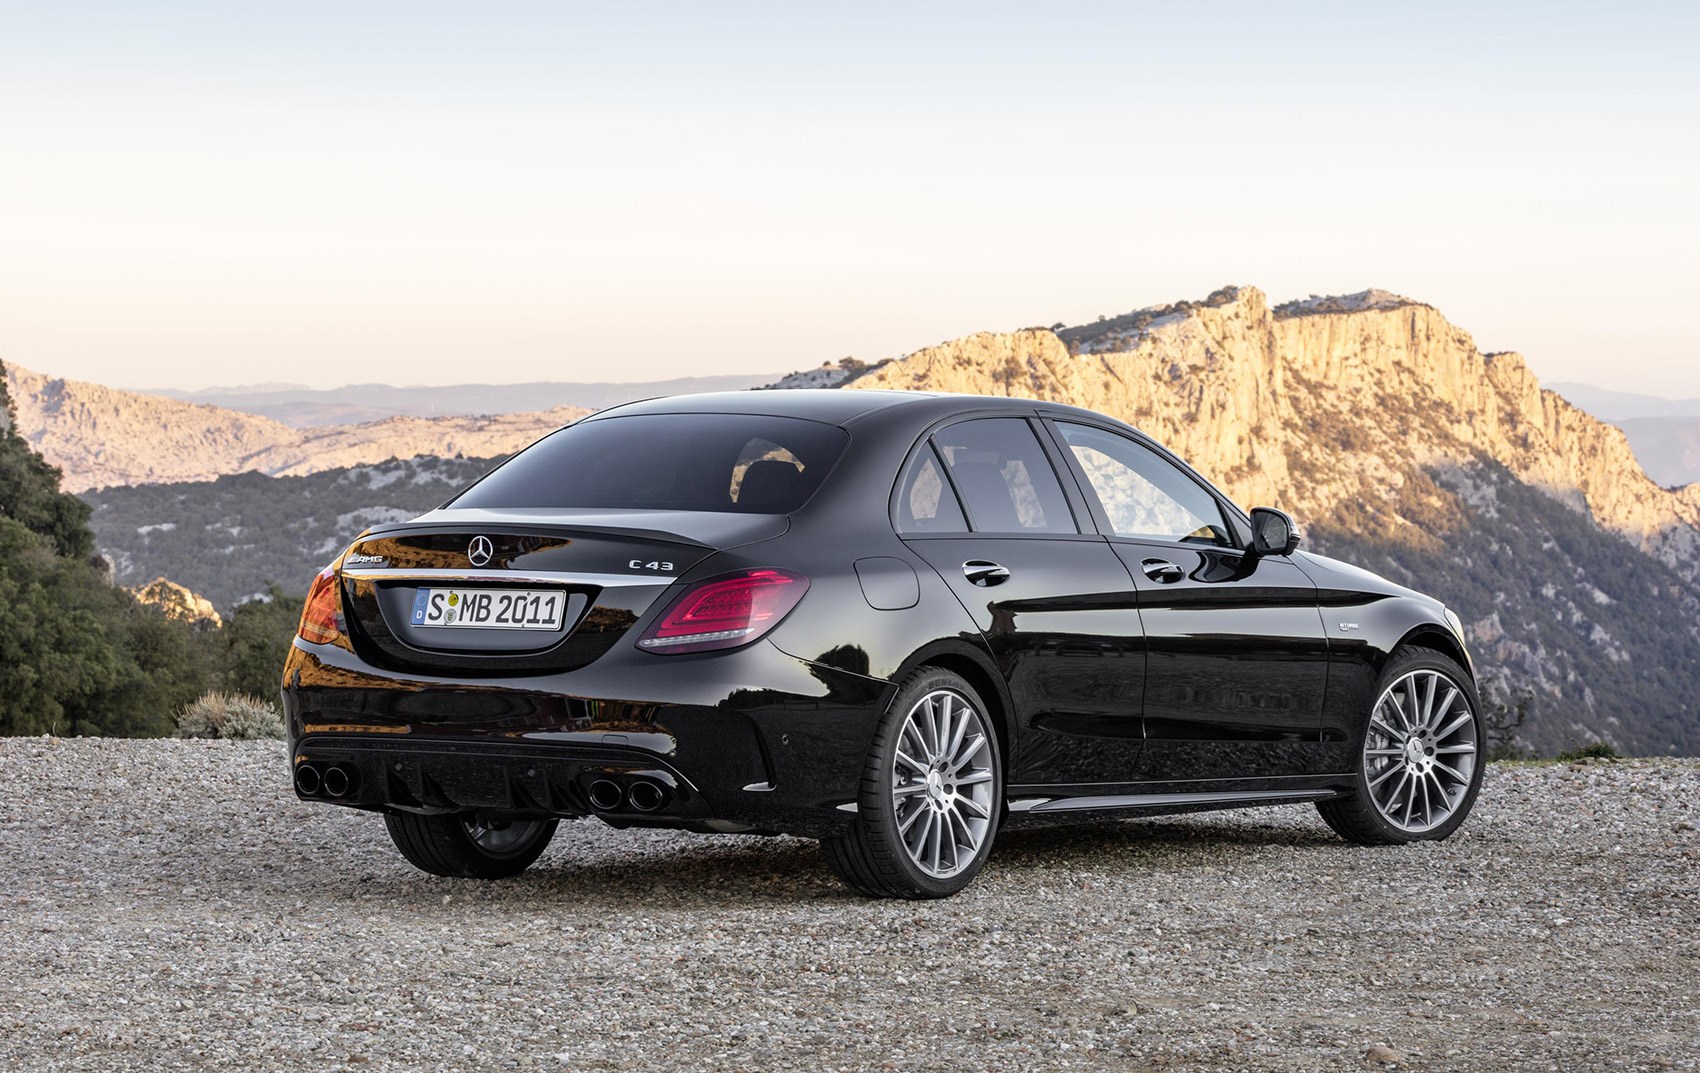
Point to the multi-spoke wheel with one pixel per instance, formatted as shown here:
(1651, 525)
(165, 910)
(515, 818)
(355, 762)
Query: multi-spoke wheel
(480, 845)
(1421, 764)
(931, 793)
(941, 783)
(1420, 754)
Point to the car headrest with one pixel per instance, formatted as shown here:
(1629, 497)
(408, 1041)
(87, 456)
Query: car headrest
(771, 487)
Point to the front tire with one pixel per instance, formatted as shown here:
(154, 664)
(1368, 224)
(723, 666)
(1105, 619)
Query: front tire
(931, 794)
(1420, 763)
(469, 845)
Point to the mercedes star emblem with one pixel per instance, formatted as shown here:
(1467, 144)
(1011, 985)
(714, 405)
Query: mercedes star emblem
(480, 550)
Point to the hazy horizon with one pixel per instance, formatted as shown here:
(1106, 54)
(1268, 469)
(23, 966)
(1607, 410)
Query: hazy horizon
(199, 197)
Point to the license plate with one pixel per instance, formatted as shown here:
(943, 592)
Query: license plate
(490, 609)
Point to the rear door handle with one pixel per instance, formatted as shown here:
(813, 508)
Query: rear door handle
(983, 572)
(1162, 570)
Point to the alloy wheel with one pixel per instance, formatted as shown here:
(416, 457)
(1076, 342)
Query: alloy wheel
(942, 783)
(1421, 750)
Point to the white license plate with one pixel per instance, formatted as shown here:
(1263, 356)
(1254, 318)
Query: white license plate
(490, 609)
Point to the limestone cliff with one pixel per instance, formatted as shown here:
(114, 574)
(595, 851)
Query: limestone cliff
(1321, 405)
(101, 436)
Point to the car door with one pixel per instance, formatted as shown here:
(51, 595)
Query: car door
(1237, 659)
(981, 502)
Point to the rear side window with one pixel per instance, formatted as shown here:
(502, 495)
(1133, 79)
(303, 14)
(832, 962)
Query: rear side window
(730, 463)
(1006, 483)
(925, 503)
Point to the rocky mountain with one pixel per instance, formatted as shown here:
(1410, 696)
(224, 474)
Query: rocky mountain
(1400, 444)
(100, 436)
(178, 602)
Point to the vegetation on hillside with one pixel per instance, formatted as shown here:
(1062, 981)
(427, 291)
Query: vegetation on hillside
(229, 539)
(80, 655)
(1593, 640)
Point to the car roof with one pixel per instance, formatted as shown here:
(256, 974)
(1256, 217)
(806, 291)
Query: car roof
(816, 404)
(832, 405)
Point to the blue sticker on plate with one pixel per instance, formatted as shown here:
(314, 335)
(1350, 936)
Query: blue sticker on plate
(419, 601)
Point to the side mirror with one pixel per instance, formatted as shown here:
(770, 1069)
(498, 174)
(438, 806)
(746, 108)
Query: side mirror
(1273, 532)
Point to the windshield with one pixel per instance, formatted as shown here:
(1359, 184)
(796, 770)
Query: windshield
(698, 462)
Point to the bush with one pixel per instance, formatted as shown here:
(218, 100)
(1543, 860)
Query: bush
(232, 716)
(1599, 750)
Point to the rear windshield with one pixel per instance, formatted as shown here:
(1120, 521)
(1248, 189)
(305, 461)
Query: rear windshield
(701, 462)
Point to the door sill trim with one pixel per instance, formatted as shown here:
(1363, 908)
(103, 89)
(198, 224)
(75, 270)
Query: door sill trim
(1131, 801)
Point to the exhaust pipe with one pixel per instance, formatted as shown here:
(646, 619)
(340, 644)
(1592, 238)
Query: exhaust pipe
(647, 796)
(606, 795)
(338, 781)
(306, 780)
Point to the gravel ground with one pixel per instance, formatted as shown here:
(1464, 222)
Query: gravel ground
(167, 905)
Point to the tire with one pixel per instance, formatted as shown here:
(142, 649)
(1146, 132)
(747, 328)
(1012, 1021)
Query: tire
(1445, 764)
(469, 845)
(955, 790)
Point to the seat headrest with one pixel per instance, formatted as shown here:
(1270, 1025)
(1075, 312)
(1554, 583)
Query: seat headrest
(771, 487)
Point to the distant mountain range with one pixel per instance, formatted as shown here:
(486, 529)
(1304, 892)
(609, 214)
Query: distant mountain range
(303, 407)
(1665, 433)
(1615, 406)
(100, 436)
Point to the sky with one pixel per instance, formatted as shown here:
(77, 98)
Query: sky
(325, 193)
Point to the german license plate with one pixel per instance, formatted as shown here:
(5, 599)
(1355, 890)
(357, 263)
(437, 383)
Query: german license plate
(490, 609)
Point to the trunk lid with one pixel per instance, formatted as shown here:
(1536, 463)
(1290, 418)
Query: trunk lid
(608, 568)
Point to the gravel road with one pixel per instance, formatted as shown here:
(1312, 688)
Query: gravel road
(166, 905)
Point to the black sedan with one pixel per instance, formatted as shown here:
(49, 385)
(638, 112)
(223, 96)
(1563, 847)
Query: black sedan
(893, 622)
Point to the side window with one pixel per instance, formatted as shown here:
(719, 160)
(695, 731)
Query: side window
(925, 503)
(1006, 483)
(1143, 493)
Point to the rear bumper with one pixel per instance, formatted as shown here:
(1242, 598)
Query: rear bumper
(750, 739)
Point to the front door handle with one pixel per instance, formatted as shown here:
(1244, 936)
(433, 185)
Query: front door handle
(983, 572)
(1162, 570)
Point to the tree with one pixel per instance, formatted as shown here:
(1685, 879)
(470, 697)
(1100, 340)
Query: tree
(29, 491)
(256, 639)
(56, 660)
(77, 655)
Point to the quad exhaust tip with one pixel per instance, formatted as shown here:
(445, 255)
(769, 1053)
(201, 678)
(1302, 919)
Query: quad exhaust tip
(606, 795)
(333, 781)
(307, 780)
(641, 795)
(646, 796)
(337, 781)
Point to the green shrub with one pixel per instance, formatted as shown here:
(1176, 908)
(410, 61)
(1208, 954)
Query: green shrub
(1597, 750)
(232, 716)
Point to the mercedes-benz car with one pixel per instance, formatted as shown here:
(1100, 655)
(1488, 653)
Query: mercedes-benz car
(894, 622)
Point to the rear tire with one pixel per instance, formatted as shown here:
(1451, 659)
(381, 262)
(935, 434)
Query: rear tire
(931, 794)
(1419, 764)
(469, 845)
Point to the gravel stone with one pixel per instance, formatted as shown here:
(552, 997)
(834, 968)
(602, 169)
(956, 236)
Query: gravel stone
(170, 905)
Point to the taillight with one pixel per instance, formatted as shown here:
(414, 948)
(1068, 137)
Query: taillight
(318, 618)
(725, 612)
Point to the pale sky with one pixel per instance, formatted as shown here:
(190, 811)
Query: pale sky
(201, 194)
